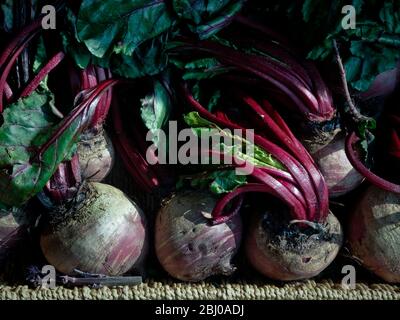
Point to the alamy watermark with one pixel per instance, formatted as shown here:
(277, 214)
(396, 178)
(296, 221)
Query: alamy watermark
(349, 20)
(202, 146)
(48, 279)
(349, 280)
(49, 18)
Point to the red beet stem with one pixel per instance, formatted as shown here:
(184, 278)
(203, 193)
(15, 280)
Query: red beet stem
(77, 111)
(296, 149)
(136, 165)
(322, 92)
(65, 181)
(267, 32)
(53, 63)
(21, 37)
(293, 166)
(217, 213)
(90, 77)
(9, 65)
(277, 52)
(361, 168)
(267, 70)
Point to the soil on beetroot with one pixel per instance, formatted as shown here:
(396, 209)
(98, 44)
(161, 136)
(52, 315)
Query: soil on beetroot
(295, 237)
(75, 211)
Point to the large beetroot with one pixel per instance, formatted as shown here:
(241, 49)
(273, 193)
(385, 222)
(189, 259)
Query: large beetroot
(285, 251)
(187, 245)
(101, 231)
(374, 233)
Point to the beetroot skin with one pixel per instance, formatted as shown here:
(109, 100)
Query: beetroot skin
(188, 247)
(374, 233)
(96, 155)
(340, 176)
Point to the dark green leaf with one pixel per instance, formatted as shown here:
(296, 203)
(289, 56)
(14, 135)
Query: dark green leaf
(207, 17)
(214, 100)
(77, 51)
(390, 16)
(206, 68)
(368, 50)
(120, 25)
(26, 126)
(365, 126)
(148, 59)
(72, 45)
(3, 208)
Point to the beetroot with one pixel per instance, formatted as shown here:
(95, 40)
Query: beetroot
(187, 246)
(374, 234)
(290, 251)
(96, 155)
(100, 231)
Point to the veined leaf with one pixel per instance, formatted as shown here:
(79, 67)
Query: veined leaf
(120, 25)
(33, 144)
(207, 17)
(147, 60)
(258, 158)
(27, 125)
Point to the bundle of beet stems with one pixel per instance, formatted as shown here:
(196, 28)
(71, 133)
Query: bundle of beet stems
(268, 63)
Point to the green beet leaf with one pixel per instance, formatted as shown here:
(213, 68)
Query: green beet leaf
(226, 181)
(207, 17)
(218, 181)
(120, 25)
(147, 60)
(259, 158)
(29, 124)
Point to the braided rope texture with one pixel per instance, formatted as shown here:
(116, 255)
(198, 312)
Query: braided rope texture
(168, 290)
